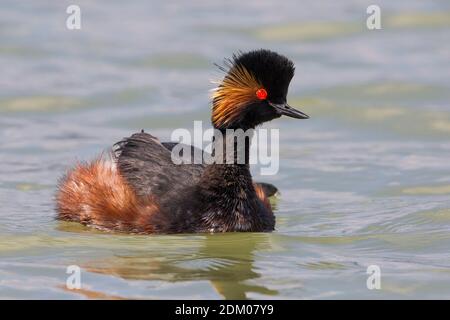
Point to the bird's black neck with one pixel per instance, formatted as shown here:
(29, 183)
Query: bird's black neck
(231, 150)
(227, 194)
(232, 147)
(231, 167)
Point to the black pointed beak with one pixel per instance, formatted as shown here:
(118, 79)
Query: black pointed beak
(286, 110)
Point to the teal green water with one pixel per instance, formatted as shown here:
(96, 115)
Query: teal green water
(365, 181)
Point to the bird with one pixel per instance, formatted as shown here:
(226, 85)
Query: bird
(140, 190)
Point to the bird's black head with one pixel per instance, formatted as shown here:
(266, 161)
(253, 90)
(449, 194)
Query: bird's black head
(253, 91)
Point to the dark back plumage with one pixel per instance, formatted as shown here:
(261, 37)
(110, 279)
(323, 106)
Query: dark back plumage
(147, 165)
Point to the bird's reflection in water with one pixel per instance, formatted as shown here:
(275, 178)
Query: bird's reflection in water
(226, 260)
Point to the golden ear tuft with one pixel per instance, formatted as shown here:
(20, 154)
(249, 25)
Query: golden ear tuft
(238, 88)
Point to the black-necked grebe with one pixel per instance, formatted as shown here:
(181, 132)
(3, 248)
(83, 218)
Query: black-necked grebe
(141, 190)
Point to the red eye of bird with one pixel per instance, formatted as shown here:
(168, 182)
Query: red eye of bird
(261, 94)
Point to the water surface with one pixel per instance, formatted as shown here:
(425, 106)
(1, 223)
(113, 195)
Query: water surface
(365, 181)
